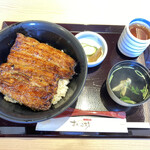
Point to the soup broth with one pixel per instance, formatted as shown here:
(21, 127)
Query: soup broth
(129, 84)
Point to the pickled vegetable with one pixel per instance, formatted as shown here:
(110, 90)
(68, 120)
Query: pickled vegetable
(96, 55)
(89, 49)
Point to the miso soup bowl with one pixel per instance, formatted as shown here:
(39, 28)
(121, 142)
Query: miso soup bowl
(128, 83)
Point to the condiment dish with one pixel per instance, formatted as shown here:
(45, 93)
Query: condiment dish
(94, 45)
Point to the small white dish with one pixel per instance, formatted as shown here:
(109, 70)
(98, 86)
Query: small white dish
(94, 40)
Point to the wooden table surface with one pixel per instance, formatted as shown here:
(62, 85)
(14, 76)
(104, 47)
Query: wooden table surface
(109, 12)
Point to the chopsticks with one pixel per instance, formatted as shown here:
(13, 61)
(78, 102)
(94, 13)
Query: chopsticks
(72, 112)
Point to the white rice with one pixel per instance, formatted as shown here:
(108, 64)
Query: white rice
(9, 99)
(61, 90)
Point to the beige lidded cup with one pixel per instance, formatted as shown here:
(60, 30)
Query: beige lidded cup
(135, 38)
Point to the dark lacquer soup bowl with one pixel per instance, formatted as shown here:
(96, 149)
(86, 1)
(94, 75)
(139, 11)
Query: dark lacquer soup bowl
(128, 83)
(59, 38)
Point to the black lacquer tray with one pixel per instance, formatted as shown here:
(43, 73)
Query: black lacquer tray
(94, 96)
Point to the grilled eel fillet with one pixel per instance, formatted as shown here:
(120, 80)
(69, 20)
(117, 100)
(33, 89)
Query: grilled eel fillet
(30, 75)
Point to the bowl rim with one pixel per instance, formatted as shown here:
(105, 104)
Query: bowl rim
(113, 96)
(104, 45)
